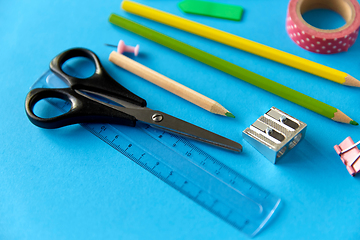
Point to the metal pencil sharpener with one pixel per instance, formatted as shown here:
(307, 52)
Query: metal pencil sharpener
(275, 133)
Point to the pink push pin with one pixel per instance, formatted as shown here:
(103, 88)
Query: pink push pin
(349, 155)
(121, 48)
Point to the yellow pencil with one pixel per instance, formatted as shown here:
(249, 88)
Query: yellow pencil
(169, 84)
(241, 43)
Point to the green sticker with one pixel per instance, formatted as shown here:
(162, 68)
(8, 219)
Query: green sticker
(212, 9)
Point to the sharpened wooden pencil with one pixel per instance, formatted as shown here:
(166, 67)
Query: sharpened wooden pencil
(168, 84)
(240, 43)
(234, 70)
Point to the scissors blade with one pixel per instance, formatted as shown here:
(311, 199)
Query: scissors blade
(175, 125)
(169, 123)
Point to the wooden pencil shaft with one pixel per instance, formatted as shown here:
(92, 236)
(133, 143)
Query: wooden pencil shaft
(225, 66)
(235, 41)
(162, 81)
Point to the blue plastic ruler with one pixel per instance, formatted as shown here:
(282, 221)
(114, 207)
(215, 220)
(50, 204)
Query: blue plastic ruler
(186, 168)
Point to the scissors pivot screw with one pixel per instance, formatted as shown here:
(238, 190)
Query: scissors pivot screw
(157, 117)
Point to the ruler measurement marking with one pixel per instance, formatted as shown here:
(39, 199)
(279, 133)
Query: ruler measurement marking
(170, 174)
(227, 216)
(142, 156)
(155, 165)
(180, 188)
(212, 206)
(187, 185)
(185, 182)
(198, 194)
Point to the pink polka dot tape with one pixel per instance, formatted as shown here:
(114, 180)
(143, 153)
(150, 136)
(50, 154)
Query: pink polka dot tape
(320, 40)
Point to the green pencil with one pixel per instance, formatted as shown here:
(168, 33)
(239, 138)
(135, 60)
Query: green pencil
(234, 70)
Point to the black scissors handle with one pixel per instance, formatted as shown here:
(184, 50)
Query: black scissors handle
(83, 109)
(100, 82)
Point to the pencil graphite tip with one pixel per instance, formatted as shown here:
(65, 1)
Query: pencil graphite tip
(229, 114)
(352, 122)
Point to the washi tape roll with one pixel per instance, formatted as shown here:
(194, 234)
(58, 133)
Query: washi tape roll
(320, 40)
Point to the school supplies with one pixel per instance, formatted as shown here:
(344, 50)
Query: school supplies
(121, 48)
(183, 166)
(83, 94)
(234, 70)
(212, 9)
(275, 133)
(322, 40)
(168, 84)
(241, 43)
(349, 155)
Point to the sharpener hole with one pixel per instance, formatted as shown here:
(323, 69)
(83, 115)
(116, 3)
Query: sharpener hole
(281, 152)
(295, 141)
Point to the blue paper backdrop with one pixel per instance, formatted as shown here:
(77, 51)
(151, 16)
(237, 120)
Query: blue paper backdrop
(67, 184)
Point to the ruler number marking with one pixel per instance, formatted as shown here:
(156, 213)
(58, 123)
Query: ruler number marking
(170, 177)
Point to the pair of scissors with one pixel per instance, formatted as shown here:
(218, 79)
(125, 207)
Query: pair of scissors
(83, 95)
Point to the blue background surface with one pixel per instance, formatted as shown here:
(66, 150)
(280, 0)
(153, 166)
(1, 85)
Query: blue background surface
(67, 184)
